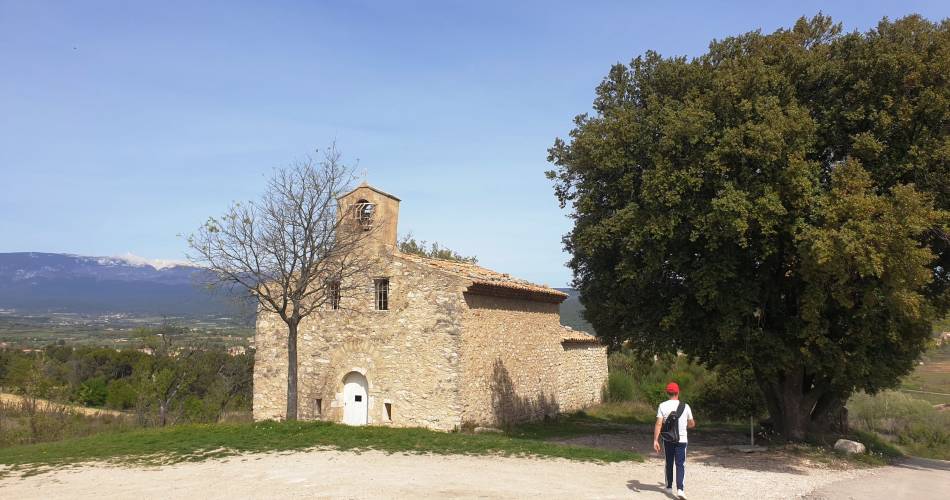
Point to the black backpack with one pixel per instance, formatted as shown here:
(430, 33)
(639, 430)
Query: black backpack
(670, 431)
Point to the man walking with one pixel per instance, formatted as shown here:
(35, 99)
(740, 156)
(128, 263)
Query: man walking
(673, 417)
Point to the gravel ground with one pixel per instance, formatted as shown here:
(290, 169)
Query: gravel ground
(333, 474)
(911, 480)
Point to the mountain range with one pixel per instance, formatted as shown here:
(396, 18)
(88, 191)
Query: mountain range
(37, 282)
(48, 282)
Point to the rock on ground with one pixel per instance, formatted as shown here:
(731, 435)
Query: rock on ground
(850, 447)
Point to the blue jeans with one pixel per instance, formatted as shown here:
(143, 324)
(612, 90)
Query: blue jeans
(677, 452)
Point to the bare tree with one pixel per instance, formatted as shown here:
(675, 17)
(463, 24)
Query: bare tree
(292, 250)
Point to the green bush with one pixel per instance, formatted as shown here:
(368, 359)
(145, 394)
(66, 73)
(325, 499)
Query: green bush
(199, 410)
(93, 392)
(726, 395)
(620, 387)
(121, 395)
(655, 393)
(731, 395)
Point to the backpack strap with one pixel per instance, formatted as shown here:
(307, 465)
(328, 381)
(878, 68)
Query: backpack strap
(679, 410)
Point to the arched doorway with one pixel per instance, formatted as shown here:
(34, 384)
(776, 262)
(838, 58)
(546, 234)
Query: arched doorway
(355, 399)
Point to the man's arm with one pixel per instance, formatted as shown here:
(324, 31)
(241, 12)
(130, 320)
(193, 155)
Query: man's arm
(656, 434)
(690, 423)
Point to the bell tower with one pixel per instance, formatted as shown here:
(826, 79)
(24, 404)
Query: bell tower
(372, 210)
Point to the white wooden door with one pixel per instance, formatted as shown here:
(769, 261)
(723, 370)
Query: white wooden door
(355, 399)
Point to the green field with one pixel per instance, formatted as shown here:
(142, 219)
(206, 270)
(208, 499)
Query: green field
(20, 330)
(930, 377)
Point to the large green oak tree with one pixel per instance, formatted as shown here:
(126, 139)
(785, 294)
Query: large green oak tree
(778, 203)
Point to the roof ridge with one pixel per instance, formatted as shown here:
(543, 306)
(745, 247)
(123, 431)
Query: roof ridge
(371, 188)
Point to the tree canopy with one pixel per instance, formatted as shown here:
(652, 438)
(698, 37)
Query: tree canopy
(779, 203)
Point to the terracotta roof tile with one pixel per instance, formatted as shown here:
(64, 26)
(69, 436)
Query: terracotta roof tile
(485, 277)
(571, 336)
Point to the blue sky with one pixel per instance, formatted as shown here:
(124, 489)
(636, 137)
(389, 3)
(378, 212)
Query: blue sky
(125, 124)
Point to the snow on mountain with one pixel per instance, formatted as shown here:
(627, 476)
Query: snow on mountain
(137, 260)
(127, 283)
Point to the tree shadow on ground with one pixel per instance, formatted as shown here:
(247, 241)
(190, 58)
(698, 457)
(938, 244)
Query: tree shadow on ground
(508, 407)
(923, 464)
(709, 446)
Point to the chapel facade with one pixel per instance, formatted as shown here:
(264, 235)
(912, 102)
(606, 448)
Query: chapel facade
(428, 343)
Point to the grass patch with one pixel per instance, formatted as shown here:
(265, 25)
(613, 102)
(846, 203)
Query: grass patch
(614, 417)
(911, 424)
(879, 450)
(201, 441)
(626, 412)
(931, 376)
(605, 418)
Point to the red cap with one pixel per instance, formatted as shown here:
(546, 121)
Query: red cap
(672, 387)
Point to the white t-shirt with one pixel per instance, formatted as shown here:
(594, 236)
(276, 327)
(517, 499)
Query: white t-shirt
(670, 406)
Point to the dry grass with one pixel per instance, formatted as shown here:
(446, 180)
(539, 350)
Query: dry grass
(22, 423)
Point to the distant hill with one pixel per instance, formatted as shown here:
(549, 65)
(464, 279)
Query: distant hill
(49, 282)
(39, 282)
(572, 311)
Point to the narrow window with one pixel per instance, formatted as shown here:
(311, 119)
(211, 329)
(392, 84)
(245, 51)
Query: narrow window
(382, 294)
(318, 407)
(333, 293)
(389, 412)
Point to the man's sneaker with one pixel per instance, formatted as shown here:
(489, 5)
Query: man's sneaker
(680, 494)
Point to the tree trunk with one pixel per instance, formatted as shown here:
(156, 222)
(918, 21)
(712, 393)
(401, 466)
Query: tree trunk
(162, 412)
(292, 370)
(799, 410)
(830, 415)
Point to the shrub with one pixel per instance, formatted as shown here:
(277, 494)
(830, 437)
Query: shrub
(716, 395)
(93, 392)
(620, 387)
(730, 395)
(655, 393)
(21, 423)
(120, 394)
(913, 424)
(199, 410)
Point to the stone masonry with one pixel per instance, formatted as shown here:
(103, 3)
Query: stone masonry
(458, 345)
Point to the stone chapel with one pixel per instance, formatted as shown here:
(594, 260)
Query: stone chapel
(429, 343)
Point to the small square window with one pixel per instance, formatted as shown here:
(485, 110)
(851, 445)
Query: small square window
(318, 407)
(382, 294)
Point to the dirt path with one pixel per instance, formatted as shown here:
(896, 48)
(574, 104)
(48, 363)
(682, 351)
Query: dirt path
(332, 474)
(914, 479)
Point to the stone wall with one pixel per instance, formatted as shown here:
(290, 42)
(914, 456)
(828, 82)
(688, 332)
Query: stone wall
(514, 366)
(583, 375)
(439, 356)
(409, 354)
